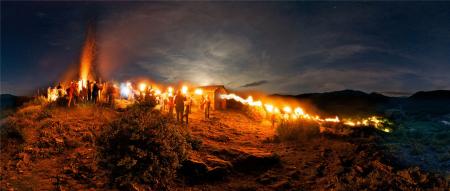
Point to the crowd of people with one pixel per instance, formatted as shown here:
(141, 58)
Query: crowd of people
(94, 92)
(182, 104)
(77, 91)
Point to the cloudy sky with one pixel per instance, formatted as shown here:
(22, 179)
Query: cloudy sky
(285, 48)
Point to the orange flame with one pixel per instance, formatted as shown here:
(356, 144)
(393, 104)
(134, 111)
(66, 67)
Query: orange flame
(87, 56)
(287, 113)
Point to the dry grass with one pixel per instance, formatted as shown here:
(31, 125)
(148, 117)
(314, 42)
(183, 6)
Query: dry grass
(297, 130)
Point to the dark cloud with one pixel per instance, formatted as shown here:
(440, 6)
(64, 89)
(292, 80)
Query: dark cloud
(296, 46)
(253, 84)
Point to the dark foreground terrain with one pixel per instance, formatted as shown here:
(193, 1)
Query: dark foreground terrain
(47, 147)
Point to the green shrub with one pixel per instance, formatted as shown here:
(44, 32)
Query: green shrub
(298, 130)
(143, 147)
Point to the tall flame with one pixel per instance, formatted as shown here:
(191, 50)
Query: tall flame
(87, 56)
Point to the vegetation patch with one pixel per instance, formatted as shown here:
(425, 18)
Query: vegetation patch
(297, 130)
(143, 149)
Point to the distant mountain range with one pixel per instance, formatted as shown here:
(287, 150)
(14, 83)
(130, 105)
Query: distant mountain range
(343, 103)
(352, 102)
(8, 101)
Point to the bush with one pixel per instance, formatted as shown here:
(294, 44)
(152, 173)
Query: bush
(143, 148)
(12, 131)
(298, 130)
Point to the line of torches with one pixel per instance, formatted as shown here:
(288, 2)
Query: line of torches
(287, 113)
(128, 91)
(293, 114)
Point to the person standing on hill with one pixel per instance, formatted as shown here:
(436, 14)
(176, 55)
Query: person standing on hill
(60, 90)
(179, 106)
(170, 103)
(89, 91)
(71, 93)
(110, 94)
(207, 106)
(187, 110)
(95, 90)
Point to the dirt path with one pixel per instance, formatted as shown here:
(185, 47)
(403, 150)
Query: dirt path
(317, 163)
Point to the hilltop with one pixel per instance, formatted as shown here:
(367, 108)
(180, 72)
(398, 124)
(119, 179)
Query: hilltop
(51, 147)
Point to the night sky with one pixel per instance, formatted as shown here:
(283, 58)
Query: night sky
(287, 48)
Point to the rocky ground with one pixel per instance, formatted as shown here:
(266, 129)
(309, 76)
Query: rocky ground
(230, 152)
(238, 153)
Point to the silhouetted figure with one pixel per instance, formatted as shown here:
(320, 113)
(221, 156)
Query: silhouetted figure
(207, 106)
(71, 93)
(83, 94)
(171, 105)
(187, 111)
(60, 90)
(110, 91)
(179, 106)
(89, 91)
(95, 91)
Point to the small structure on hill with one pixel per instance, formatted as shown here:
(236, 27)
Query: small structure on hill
(214, 92)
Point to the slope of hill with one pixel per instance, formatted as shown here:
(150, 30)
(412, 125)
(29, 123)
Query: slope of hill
(436, 95)
(345, 102)
(56, 149)
(8, 101)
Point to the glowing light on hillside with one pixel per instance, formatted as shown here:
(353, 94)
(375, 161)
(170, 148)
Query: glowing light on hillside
(299, 111)
(142, 87)
(336, 119)
(126, 89)
(269, 108)
(184, 90)
(287, 109)
(198, 91)
(170, 91)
